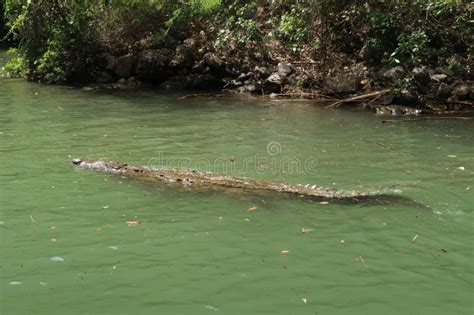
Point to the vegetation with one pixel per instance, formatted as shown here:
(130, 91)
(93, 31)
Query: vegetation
(70, 41)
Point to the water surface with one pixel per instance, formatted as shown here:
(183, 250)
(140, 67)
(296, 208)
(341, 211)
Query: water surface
(67, 247)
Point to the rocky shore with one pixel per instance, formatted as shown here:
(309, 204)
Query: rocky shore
(192, 66)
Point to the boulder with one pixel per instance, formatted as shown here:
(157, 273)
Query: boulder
(124, 65)
(462, 91)
(369, 54)
(261, 72)
(421, 76)
(151, 65)
(273, 84)
(183, 58)
(216, 65)
(444, 91)
(284, 69)
(250, 88)
(439, 77)
(395, 73)
(406, 98)
(343, 84)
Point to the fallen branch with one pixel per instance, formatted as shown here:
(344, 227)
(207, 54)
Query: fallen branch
(467, 103)
(358, 98)
(200, 95)
(425, 118)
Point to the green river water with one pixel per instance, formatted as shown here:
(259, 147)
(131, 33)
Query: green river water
(66, 247)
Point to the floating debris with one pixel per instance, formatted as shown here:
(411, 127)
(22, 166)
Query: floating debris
(413, 239)
(343, 242)
(43, 283)
(305, 230)
(105, 207)
(133, 223)
(285, 251)
(212, 308)
(113, 247)
(461, 168)
(16, 283)
(56, 259)
(305, 300)
(251, 209)
(324, 203)
(451, 156)
(33, 219)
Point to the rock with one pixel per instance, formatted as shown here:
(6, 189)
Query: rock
(245, 76)
(261, 72)
(250, 88)
(190, 42)
(408, 98)
(151, 65)
(284, 69)
(343, 84)
(124, 66)
(212, 60)
(183, 57)
(273, 84)
(395, 73)
(421, 76)
(215, 64)
(439, 77)
(200, 67)
(444, 91)
(369, 54)
(462, 91)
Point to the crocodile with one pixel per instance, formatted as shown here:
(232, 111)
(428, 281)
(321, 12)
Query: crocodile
(207, 181)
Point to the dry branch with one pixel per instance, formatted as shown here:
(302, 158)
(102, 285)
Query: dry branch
(359, 98)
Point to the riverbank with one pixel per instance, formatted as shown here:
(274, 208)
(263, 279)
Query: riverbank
(376, 56)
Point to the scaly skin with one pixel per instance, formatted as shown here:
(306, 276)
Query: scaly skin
(206, 181)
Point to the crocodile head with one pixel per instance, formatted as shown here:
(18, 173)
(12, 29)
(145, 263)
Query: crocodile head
(98, 165)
